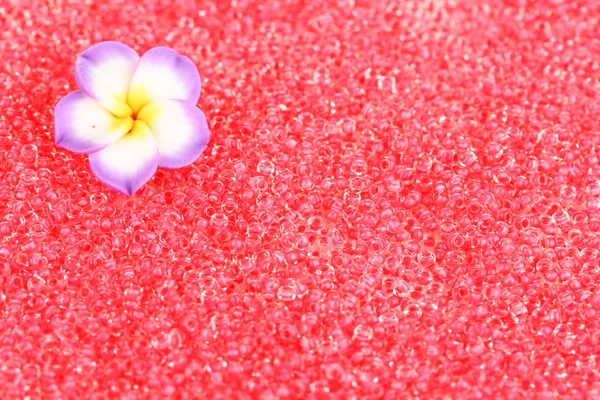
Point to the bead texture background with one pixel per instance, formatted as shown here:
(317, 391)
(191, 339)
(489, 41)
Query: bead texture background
(401, 199)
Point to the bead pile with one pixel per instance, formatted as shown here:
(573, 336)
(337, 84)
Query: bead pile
(400, 199)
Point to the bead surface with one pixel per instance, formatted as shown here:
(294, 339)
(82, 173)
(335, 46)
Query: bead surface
(399, 200)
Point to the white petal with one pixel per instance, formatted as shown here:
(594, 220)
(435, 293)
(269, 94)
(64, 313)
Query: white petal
(82, 125)
(180, 131)
(104, 72)
(163, 74)
(127, 164)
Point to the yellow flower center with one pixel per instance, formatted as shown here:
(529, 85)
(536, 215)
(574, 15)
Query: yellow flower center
(131, 115)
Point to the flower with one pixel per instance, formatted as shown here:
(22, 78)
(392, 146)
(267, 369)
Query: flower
(132, 114)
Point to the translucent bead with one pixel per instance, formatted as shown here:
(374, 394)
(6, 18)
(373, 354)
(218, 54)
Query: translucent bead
(427, 258)
(377, 214)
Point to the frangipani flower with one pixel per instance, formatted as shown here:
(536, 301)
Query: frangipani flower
(132, 114)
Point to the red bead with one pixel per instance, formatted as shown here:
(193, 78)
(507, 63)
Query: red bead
(399, 199)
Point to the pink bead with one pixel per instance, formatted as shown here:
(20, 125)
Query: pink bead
(379, 213)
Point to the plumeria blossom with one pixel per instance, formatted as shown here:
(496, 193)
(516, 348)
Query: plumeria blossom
(132, 114)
